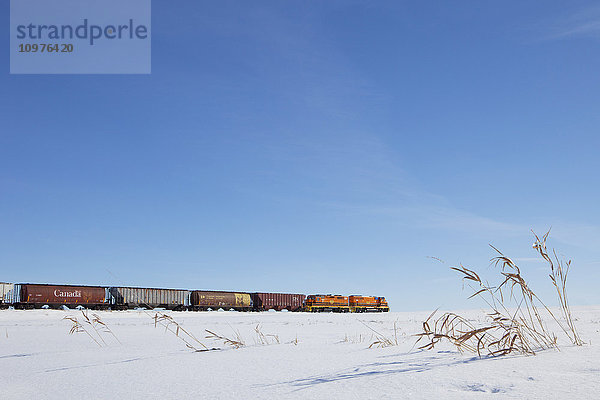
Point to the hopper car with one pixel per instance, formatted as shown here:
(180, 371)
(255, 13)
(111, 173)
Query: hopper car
(277, 301)
(122, 298)
(202, 300)
(25, 295)
(5, 290)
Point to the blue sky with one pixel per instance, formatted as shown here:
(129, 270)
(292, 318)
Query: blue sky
(313, 147)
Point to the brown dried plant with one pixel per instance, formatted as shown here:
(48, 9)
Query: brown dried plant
(382, 340)
(294, 342)
(265, 338)
(77, 327)
(175, 328)
(236, 342)
(515, 323)
(354, 339)
(98, 326)
(94, 327)
(559, 269)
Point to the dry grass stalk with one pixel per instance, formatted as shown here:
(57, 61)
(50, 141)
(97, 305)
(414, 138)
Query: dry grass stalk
(98, 326)
(174, 327)
(263, 338)
(355, 339)
(382, 340)
(78, 327)
(559, 269)
(521, 330)
(93, 327)
(96, 321)
(500, 337)
(294, 342)
(236, 343)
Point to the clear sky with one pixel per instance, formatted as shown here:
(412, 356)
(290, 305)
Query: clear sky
(313, 147)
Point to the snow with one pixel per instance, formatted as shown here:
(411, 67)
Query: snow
(318, 356)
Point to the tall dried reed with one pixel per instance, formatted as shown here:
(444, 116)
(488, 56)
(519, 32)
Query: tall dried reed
(382, 340)
(170, 325)
(515, 323)
(236, 342)
(559, 269)
(93, 327)
(265, 338)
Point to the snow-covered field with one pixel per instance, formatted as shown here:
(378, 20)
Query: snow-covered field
(319, 356)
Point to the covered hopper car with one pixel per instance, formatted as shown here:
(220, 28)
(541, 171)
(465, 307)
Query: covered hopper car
(36, 296)
(132, 297)
(5, 290)
(277, 301)
(203, 300)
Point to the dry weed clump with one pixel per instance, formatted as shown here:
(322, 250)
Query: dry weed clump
(175, 328)
(356, 338)
(266, 338)
(515, 323)
(558, 276)
(236, 342)
(382, 340)
(294, 341)
(93, 327)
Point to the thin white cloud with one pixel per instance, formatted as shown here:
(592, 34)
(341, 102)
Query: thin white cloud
(356, 171)
(581, 235)
(529, 259)
(455, 219)
(582, 23)
(359, 174)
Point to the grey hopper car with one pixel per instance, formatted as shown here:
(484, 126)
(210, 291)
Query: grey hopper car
(132, 297)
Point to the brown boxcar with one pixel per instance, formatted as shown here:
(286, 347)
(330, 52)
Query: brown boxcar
(203, 300)
(34, 295)
(277, 301)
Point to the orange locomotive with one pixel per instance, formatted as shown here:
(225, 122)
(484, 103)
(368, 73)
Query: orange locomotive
(338, 303)
(326, 302)
(368, 304)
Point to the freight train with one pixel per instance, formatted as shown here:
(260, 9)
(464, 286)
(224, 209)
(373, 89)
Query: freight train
(29, 296)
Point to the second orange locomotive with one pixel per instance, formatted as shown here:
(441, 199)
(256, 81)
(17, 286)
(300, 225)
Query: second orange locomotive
(337, 303)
